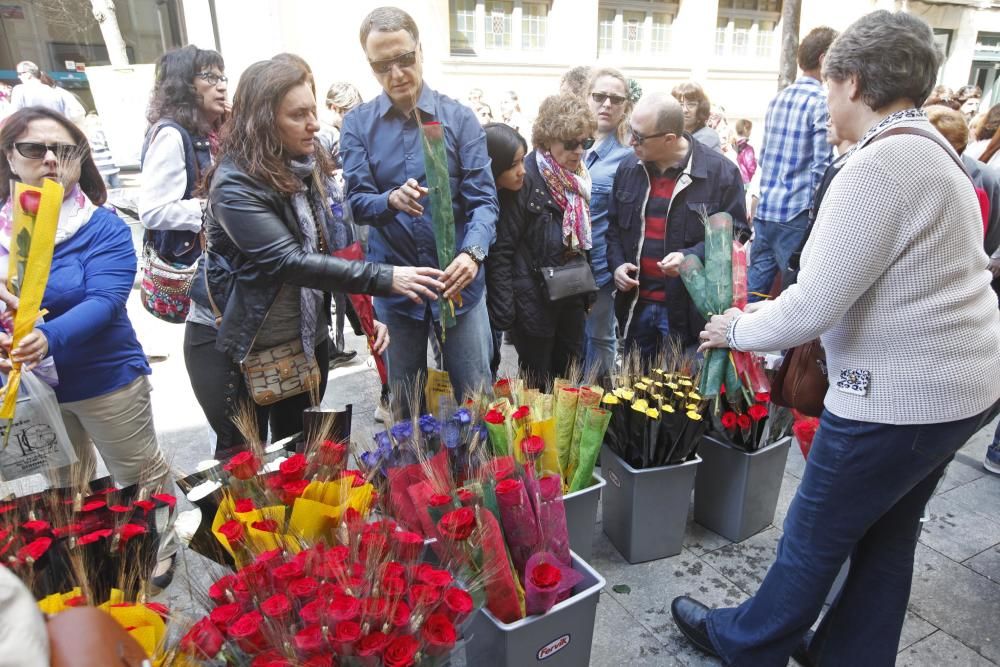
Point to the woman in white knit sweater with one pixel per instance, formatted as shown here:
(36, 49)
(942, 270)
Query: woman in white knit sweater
(894, 281)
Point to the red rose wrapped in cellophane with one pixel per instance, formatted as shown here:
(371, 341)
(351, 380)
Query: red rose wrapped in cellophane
(546, 582)
(401, 504)
(552, 518)
(520, 525)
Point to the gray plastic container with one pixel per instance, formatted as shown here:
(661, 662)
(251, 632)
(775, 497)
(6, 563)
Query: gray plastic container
(581, 516)
(736, 492)
(560, 638)
(645, 511)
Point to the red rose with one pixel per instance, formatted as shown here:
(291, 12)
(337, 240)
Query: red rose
(244, 505)
(401, 652)
(393, 570)
(246, 630)
(744, 422)
(293, 468)
(309, 640)
(36, 526)
(145, 505)
(269, 559)
(344, 636)
(277, 607)
(503, 467)
(344, 608)
(68, 529)
(165, 498)
(494, 417)
(408, 545)
(352, 516)
(457, 524)
(434, 577)
(290, 491)
(256, 575)
(203, 640)
(393, 587)
(271, 659)
(532, 446)
(312, 612)
(401, 615)
(331, 453)
(265, 525)
(375, 611)
(728, 419)
(287, 572)
(302, 588)
(242, 466)
(550, 487)
(225, 614)
(757, 412)
(424, 597)
(439, 500)
(373, 545)
(545, 576)
(466, 497)
(439, 634)
(458, 605)
(521, 413)
(30, 201)
(510, 486)
(35, 549)
(119, 509)
(232, 530)
(321, 660)
(92, 537)
(222, 589)
(762, 397)
(130, 530)
(92, 505)
(372, 644)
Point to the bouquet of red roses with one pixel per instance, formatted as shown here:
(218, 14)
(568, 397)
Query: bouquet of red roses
(750, 424)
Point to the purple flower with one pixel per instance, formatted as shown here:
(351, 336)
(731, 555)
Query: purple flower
(402, 431)
(429, 426)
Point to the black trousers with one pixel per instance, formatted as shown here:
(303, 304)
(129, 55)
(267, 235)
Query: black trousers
(220, 389)
(542, 358)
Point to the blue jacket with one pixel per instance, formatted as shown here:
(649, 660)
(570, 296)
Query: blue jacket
(382, 149)
(89, 333)
(602, 162)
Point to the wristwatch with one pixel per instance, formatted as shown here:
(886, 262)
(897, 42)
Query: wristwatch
(477, 254)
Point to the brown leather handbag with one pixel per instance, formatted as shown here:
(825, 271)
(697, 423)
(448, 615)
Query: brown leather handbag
(801, 382)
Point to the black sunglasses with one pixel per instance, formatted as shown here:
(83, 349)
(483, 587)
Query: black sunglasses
(211, 78)
(616, 100)
(639, 139)
(571, 144)
(404, 60)
(35, 151)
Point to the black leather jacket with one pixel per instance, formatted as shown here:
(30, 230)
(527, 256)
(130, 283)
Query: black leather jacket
(254, 247)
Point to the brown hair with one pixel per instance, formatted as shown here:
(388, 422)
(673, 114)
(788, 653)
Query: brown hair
(813, 46)
(744, 126)
(990, 124)
(689, 90)
(951, 124)
(622, 131)
(561, 117)
(991, 148)
(250, 137)
(17, 124)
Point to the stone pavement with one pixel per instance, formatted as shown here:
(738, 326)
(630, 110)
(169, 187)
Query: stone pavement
(954, 611)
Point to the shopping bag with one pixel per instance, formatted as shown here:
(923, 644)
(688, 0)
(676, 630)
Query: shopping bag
(38, 440)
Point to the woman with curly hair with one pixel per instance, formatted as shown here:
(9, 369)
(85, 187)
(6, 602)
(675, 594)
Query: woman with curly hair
(545, 224)
(186, 110)
(697, 110)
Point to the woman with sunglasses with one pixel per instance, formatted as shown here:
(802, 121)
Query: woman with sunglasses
(546, 224)
(187, 108)
(103, 391)
(611, 103)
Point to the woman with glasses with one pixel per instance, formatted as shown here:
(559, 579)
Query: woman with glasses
(546, 224)
(187, 108)
(103, 391)
(611, 103)
(697, 110)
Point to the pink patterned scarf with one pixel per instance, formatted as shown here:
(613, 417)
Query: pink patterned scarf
(571, 191)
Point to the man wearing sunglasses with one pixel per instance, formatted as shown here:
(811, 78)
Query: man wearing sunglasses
(655, 217)
(32, 92)
(387, 189)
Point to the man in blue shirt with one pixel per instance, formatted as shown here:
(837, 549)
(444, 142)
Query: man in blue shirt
(793, 159)
(386, 181)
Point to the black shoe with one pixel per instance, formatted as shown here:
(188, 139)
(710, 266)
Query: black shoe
(341, 358)
(162, 581)
(801, 652)
(691, 618)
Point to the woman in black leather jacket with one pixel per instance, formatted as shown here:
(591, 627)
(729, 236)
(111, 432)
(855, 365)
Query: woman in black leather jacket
(267, 270)
(546, 223)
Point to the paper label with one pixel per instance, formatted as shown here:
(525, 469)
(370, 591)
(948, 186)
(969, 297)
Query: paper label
(553, 647)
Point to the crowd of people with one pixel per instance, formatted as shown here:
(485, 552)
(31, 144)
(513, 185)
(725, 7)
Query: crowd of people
(867, 231)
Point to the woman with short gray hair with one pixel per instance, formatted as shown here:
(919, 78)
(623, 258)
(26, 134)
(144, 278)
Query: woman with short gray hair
(893, 280)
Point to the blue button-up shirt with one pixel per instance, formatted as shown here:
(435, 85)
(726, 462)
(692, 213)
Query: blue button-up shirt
(795, 153)
(602, 162)
(381, 149)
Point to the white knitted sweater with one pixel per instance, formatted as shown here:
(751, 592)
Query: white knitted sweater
(894, 279)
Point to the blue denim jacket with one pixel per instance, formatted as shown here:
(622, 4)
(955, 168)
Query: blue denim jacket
(602, 162)
(381, 149)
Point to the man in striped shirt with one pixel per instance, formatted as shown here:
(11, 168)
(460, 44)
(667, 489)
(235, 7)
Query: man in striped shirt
(793, 159)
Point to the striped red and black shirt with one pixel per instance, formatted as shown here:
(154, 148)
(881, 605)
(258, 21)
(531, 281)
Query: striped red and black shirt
(652, 286)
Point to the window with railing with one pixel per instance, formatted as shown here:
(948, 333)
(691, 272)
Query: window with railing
(634, 27)
(747, 29)
(497, 25)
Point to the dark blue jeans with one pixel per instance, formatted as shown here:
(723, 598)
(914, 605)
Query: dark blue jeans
(649, 329)
(773, 246)
(862, 495)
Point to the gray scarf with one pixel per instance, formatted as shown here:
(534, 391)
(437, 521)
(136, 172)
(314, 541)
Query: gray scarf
(308, 204)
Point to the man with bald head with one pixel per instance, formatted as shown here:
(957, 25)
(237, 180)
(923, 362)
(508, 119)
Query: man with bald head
(656, 211)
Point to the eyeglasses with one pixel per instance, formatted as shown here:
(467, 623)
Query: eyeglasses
(571, 144)
(689, 104)
(35, 151)
(385, 66)
(616, 100)
(211, 78)
(639, 139)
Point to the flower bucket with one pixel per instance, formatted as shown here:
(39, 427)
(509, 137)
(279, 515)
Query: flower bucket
(581, 516)
(645, 511)
(559, 638)
(736, 492)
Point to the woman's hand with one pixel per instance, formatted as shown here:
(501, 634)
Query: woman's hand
(417, 282)
(380, 340)
(30, 351)
(12, 302)
(714, 334)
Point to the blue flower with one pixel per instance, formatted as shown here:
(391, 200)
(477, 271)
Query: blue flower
(429, 425)
(463, 416)
(402, 431)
